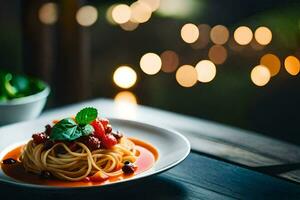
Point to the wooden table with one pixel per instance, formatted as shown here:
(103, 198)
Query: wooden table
(205, 174)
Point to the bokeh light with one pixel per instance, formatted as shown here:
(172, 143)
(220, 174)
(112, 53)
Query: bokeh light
(186, 76)
(256, 46)
(170, 61)
(235, 46)
(153, 4)
(150, 63)
(140, 12)
(129, 26)
(108, 14)
(272, 62)
(292, 65)
(189, 33)
(87, 15)
(203, 38)
(121, 13)
(219, 34)
(217, 54)
(206, 71)
(126, 96)
(48, 13)
(125, 77)
(263, 35)
(260, 75)
(243, 35)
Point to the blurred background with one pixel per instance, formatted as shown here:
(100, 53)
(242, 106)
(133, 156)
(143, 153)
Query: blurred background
(235, 62)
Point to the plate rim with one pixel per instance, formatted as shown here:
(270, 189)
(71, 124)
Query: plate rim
(130, 180)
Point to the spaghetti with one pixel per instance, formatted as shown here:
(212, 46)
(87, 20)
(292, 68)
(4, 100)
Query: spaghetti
(79, 164)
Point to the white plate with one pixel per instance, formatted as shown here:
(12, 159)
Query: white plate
(171, 145)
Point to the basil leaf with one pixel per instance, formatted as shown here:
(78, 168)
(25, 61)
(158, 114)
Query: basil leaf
(87, 130)
(65, 130)
(86, 116)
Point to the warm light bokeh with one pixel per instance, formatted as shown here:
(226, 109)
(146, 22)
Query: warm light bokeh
(189, 33)
(186, 76)
(48, 13)
(219, 34)
(129, 26)
(87, 15)
(272, 62)
(121, 13)
(203, 38)
(206, 71)
(260, 75)
(150, 63)
(170, 61)
(126, 96)
(125, 77)
(263, 35)
(140, 12)
(243, 35)
(153, 4)
(217, 54)
(292, 65)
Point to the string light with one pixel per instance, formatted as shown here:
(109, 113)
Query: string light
(219, 34)
(217, 54)
(263, 35)
(170, 61)
(126, 96)
(125, 77)
(292, 65)
(150, 63)
(243, 35)
(121, 13)
(206, 71)
(189, 33)
(129, 26)
(272, 62)
(48, 13)
(260, 75)
(203, 38)
(140, 12)
(153, 4)
(87, 15)
(186, 76)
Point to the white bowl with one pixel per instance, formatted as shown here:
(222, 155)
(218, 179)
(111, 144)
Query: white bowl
(24, 108)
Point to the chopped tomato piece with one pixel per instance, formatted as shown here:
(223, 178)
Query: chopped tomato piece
(99, 129)
(104, 122)
(109, 141)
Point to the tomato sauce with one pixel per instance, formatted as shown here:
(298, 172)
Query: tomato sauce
(146, 159)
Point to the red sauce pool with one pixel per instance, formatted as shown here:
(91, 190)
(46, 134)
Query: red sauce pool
(148, 156)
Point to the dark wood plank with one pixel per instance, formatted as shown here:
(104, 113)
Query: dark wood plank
(198, 177)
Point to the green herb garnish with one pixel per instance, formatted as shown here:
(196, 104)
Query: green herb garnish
(86, 116)
(69, 129)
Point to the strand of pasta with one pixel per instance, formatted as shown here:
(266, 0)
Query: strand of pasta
(76, 165)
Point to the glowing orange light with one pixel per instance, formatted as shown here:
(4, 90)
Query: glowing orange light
(263, 35)
(189, 33)
(243, 35)
(87, 15)
(153, 4)
(260, 75)
(206, 71)
(219, 34)
(272, 62)
(170, 61)
(203, 38)
(186, 76)
(292, 65)
(140, 12)
(217, 54)
(125, 77)
(126, 96)
(129, 26)
(121, 13)
(150, 63)
(48, 13)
